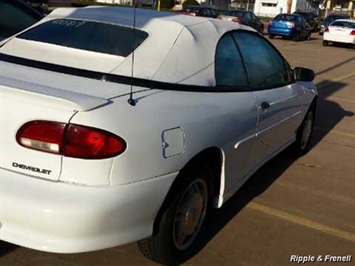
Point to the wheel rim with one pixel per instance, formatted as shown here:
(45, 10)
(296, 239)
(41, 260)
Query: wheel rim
(307, 130)
(190, 214)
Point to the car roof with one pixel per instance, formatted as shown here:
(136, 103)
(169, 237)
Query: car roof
(179, 49)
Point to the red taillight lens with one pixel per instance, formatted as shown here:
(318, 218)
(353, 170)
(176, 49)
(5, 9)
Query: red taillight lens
(70, 140)
(290, 24)
(89, 143)
(236, 20)
(326, 29)
(42, 135)
(352, 33)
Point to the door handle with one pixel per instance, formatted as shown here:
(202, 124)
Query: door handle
(265, 105)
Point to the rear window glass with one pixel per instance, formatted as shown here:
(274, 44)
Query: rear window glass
(87, 35)
(285, 17)
(345, 24)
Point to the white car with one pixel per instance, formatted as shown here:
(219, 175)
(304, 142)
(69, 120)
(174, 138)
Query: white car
(340, 31)
(122, 125)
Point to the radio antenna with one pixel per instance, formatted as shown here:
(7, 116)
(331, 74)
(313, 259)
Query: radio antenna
(131, 100)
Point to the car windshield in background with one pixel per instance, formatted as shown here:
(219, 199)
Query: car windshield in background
(87, 35)
(346, 24)
(285, 17)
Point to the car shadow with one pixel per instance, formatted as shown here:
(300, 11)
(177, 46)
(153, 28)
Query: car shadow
(329, 114)
(6, 248)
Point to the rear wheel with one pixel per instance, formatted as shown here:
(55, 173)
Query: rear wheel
(183, 220)
(308, 37)
(296, 37)
(325, 43)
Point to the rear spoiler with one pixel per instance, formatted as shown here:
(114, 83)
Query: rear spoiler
(50, 96)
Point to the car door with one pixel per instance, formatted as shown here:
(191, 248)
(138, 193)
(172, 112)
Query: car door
(278, 98)
(232, 81)
(304, 27)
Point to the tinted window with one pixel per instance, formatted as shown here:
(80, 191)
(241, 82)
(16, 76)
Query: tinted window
(266, 68)
(87, 35)
(229, 68)
(285, 17)
(15, 17)
(343, 24)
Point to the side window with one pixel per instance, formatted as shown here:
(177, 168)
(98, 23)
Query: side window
(213, 13)
(266, 68)
(229, 68)
(248, 16)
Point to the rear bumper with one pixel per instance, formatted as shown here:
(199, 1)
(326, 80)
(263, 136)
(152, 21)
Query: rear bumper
(340, 39)
(67, 218)
(281, 31)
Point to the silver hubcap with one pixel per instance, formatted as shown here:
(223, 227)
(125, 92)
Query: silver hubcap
(190, 214)
(307, 129)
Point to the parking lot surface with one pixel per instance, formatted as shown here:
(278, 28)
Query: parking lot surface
(291, 206)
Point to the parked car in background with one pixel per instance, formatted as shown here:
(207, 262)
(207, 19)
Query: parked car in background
(15, 16)
(199, 11)
(311, 18)
(329, 19)
(96, 155)
(245, 17)
(289, 26)
(340, 31)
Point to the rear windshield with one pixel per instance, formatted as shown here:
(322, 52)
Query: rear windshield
(346, 24)
(285, 17)
(87, 35)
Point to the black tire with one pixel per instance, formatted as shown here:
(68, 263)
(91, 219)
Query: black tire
(325, 43)
(304, 133)
(261, 30)
(271, 36)
(183, 221)
(296, 37)
(308, 37)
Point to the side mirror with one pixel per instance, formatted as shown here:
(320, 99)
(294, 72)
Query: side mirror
(304, 74)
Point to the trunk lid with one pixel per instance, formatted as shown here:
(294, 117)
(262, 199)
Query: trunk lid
(29, 94)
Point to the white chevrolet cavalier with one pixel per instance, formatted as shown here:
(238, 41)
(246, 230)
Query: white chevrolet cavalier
(119, 125)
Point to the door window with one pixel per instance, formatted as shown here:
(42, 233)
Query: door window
(266, 68)
(229, 69)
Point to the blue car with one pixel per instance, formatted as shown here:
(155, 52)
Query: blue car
(291, 26)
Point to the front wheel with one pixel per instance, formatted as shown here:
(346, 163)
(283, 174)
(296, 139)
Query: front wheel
(304, 133)
(183, 220)
(271, 36)
(325, 43)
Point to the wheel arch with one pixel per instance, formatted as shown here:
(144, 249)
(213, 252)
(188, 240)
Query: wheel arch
(213, 158)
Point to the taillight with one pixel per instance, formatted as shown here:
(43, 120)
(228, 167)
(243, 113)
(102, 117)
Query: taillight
(236, 20)
(42, 136)
(70, 140)
(326, 29)
(270, 22)
(290, 24)
(352, 33)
